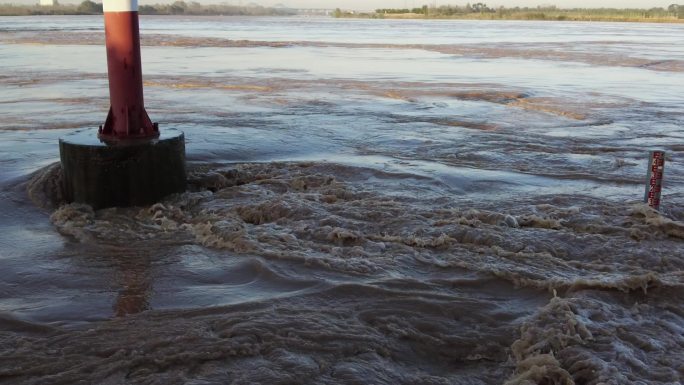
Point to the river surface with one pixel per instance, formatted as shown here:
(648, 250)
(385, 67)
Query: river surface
(370, 202)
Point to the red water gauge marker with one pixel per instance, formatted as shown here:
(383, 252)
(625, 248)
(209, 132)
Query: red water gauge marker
(127, 161)
(654, 179)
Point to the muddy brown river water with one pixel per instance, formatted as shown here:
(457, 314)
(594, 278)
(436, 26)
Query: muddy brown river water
(370, 202)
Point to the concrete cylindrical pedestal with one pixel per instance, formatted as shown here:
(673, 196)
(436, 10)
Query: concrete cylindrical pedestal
(124, 172)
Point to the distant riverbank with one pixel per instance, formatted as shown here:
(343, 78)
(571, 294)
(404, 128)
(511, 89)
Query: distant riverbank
(88, 7)
(479, 11)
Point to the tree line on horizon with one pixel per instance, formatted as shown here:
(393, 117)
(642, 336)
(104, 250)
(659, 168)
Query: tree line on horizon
(675, 12)
(88, 7)
(482, 11)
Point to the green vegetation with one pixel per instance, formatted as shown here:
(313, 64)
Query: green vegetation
(419, 11)
(480, 11)
(28, 10)
(195, 8)
(88, 7)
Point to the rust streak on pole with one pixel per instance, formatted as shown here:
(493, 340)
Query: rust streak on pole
(127, 118)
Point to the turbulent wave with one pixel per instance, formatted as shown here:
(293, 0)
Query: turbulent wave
(602, 338)
(327, 215)
(411, 289)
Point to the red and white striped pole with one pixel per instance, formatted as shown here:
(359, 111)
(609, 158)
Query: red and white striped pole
(127, 118)
(132, 164)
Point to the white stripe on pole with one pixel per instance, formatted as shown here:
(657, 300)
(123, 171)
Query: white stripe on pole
(120, 5)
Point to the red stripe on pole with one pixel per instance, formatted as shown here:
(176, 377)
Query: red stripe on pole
(127, 117)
